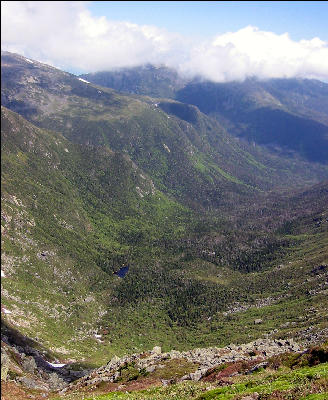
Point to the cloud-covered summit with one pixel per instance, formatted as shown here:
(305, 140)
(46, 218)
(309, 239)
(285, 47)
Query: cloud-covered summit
(67, 35)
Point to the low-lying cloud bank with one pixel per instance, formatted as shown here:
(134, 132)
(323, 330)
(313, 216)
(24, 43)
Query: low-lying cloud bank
(66, 35)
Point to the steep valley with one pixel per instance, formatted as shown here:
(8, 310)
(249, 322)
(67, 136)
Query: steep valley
(225, 241)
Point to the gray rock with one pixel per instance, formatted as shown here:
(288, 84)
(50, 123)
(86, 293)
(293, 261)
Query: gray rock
(174, 354)
(30, 383)
(29, 364)
(257, 367)
(157, 350)
(114, 360)
(4, 358)
(4, 365)
(151, 368)
(55, 382)
(197, 375)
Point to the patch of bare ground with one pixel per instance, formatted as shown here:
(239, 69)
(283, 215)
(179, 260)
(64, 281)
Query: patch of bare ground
(12, 391)
(106, 387)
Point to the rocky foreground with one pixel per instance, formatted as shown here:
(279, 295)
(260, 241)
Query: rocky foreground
(26, 373)
(200, 361)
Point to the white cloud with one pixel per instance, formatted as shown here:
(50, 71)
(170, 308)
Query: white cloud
(249, 51)
(65, 34)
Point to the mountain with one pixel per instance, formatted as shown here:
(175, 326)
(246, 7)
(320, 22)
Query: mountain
(187, 155)
(71, 217)
(287, 115)
(222, 241)
(147, 80)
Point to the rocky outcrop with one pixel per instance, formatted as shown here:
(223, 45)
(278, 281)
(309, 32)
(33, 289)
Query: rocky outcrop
(33, 372)
(204, 360)
(27, 366)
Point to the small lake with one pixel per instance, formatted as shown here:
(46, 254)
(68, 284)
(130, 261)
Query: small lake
(122, 271)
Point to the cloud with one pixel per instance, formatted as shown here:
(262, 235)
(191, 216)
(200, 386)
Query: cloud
(251, 52)
(67, 35)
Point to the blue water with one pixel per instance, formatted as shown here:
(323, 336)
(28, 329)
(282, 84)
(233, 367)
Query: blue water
(122, 271)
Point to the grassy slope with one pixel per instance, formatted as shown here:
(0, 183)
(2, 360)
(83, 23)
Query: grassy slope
(307, 383)
(71, 217)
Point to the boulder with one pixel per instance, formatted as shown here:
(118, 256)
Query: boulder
(29, 364)
(174, 354)
(157, 350)
(55, 382)
(4, 365)
(257, 367)
(30, 383)
(197, 375)
(151, 368)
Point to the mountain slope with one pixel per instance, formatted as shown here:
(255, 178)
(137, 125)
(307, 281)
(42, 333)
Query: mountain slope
(71, 217)
(145, 80)
(287, 114)
(188, 155)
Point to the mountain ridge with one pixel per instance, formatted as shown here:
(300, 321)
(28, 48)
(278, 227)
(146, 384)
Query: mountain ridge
(246, 108)
(142, 128)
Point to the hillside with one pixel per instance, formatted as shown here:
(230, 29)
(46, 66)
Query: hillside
(71, 217)
(260, 369)
(144, 80)
(64, 222)
(187, 155)
(288, 115)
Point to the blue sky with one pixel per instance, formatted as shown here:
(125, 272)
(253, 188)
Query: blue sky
(302, 19)
(221, 41)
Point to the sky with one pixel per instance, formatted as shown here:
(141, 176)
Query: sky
(302, 19)
(219, 40)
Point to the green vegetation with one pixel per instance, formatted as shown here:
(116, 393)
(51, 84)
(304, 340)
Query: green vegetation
(301, 383)
(266, 384)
